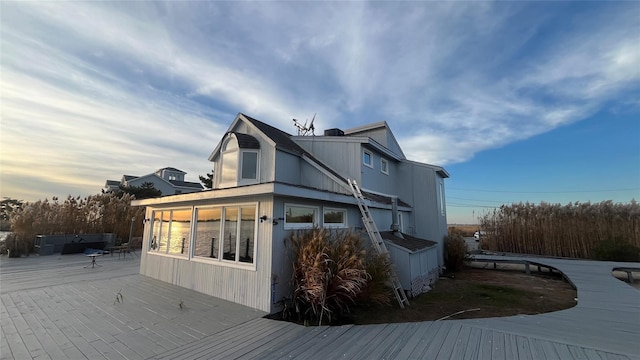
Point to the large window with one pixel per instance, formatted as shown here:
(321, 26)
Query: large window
(300, 217)
(334, 218)
(207, 236)
(227, 233)
(171, 232)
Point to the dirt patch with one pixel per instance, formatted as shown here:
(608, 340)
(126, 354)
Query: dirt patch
(477, 293)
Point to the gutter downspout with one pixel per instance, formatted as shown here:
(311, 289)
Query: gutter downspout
(394, 215)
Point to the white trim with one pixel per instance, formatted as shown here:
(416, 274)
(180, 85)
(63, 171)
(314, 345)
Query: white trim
(296, 226)
(384, 161)
(247, 181)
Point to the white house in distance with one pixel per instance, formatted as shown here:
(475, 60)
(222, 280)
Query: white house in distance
(229, 241)
(168, 180)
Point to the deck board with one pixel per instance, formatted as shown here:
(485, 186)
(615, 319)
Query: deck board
(55, 308)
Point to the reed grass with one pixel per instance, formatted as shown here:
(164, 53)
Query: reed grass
(574, 230)
(102, 213)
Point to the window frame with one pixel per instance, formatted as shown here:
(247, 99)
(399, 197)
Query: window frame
(364, 153)
(443, 210)
(297, 226)
(156, 250)
(384, 169)
(246, 181)
(343, 224)
(190, 252)
(235, 156)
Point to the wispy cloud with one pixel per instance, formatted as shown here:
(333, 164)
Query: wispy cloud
(94, 90)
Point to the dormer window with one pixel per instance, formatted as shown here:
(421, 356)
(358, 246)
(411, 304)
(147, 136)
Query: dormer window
(240, 159)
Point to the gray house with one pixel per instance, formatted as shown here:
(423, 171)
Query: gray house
(228, 242)
(168, 180)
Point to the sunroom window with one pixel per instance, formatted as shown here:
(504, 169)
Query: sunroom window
(171, 232)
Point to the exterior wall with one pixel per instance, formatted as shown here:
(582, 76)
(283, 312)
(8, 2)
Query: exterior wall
(374, 179)
(287, 168)
(250, 287)
(419, 184)
(338, 153)
(416, 270)
(281, 261)
(383, 136)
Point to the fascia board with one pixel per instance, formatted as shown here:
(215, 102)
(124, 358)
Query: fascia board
(437, 168)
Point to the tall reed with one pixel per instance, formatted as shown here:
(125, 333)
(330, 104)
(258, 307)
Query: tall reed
(102, 213)
(573, 230)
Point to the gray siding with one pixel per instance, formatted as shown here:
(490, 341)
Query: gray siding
(343, 156)
(287, 168)
(243, 286)
(281, 262)
(419, 185)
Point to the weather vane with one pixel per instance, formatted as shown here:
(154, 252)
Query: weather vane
(304, 130)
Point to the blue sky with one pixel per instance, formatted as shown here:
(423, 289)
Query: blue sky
(519, 101)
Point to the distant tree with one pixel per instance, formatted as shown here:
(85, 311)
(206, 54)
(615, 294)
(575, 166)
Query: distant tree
(147, 190)
(207, 180)
(7, 208)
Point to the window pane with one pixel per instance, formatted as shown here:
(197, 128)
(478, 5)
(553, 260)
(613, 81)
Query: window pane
(180, 230)
(229, 167)
(300, 215)
(334, 216)
(230, 233)
(247, 232)
(208, 232)
(157, 226)
(367, 158)
(164, 232)
(249, 165)
(384, 166)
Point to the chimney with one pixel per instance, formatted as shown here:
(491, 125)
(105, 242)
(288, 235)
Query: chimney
(333, 132)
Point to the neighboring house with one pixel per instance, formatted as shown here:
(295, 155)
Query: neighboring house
(229, 241)
(169, 181)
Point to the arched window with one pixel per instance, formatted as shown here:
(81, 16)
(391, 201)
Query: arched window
(240, 158)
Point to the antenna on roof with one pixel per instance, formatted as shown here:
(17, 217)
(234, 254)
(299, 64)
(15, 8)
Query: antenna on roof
(304, 130)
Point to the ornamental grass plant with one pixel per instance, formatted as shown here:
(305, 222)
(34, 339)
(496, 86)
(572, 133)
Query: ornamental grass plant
(332, 270)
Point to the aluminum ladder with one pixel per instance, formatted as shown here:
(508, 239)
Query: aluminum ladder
(378, 243)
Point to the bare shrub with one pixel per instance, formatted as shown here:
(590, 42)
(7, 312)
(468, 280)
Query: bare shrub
(455, 251)
(572, 230)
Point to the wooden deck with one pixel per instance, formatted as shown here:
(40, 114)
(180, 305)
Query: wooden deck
(55, 308)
